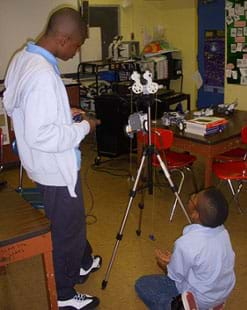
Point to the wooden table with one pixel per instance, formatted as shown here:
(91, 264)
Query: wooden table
(210, 146)
(25, 232)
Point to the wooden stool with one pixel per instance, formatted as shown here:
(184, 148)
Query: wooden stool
(25, 232)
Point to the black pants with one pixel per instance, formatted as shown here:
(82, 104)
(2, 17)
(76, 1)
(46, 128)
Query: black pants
(71, 250)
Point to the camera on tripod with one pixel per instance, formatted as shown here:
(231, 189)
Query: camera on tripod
(136, 122)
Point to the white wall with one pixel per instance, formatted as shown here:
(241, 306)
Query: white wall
(23, 20)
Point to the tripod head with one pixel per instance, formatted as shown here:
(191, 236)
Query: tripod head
(146, 89)
(140, 121)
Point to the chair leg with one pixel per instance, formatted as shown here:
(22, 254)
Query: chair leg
(20, 177)
(190, 169)
(2, 181)
(179, 190)
(235, 193)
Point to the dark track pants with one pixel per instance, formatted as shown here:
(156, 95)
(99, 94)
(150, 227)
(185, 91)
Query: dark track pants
(71, 250)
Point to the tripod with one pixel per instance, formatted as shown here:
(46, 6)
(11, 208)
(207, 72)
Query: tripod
(147, 154)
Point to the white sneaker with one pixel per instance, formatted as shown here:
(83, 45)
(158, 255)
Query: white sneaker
(79, 301)
(96, 264)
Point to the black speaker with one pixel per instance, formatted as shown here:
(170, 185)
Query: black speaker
(113, 111)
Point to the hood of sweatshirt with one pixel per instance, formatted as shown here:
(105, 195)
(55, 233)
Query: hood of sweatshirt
(19, 72)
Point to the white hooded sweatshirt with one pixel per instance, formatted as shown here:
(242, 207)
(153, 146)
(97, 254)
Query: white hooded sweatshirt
(37, 101)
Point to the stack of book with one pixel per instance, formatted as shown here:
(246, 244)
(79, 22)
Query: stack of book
(205, 125)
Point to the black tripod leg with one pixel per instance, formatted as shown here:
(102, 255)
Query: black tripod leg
(149, 154)
(173, 187)
(143, 181)
(141, 207)
(120, 233)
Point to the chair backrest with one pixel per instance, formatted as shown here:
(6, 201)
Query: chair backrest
(244, 134)
(161, 138)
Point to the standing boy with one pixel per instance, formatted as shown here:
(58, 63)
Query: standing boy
(48, 145)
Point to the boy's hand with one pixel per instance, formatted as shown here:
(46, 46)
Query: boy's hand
(75, 111)
(80, 115)
(92, 120)
(163, 258)
(77, 114)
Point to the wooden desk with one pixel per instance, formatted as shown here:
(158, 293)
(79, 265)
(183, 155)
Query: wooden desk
(210, 146)
(25, 232)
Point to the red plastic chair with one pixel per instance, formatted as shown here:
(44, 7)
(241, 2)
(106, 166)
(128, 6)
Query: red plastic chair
(236, 154)
(233, 171)
(189, 302)
(219, 307)
(162, 139)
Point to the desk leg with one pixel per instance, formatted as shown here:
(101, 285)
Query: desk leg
(208, 172)
(50, 277)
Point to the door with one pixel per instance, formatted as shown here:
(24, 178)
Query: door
(107, 18)
(211, 51)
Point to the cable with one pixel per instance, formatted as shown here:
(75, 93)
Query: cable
(110, 170)
(152, 235)
(90, 218)
(89, 214)
(131, 142)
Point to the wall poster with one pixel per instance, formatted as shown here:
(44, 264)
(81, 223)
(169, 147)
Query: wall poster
(214, 60)
(236, 21)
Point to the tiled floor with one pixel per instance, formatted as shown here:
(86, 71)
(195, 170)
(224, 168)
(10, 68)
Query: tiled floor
(106, 196)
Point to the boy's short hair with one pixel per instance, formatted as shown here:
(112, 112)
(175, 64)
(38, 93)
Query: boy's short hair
(212, 207)
(66, 20)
